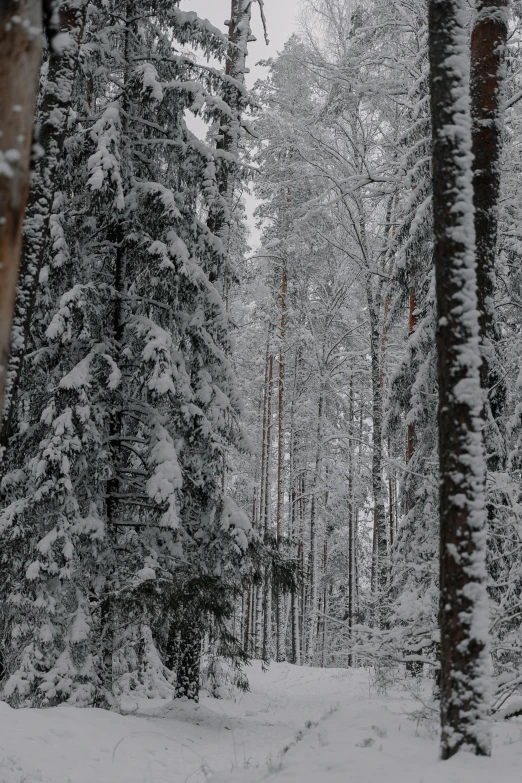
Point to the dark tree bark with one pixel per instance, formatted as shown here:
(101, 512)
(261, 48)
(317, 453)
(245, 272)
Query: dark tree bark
(311, 630)
(172, 648)
(380, 528)
(246, 621)
(280, 640)
(239, 34)
(464, 690)
(294, 485)
(187, 680)
(351, 605)
(20, 57)
(266, 652)
(412, 323)
(488, 42)
(257, 630)
(412, 667)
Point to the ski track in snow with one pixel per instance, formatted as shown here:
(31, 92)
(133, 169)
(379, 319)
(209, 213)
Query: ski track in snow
(267, 734)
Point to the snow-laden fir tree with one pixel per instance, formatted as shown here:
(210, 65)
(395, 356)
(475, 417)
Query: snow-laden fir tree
(127, 406)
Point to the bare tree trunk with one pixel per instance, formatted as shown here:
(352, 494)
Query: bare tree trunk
(391, 506)
(412, 323)
(380, 532)
(267, 650)
(239, 34)
(325, 602)
(280, 640)
(267, 591)
(268, 445)
(258, 603)
(488, 42)
(187, 676)
(313, 560)
(20, 57)
(413, 667)
(258, 634)
(51, 120)
(356, 512)
(351, 522)
(293, 491)
(262, 484)
(465, 680)
(296, 648)
(301, 561)
(247, 599)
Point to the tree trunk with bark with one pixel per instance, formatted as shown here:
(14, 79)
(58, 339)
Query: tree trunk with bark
(488, 42)
(293, 492)
(239, 35)
(412, 323)
(267, 512)
(313, 554)
(280, 636)
(350, 608)
(380, 531)
(187, 678)
(465, 679)
(263, 486)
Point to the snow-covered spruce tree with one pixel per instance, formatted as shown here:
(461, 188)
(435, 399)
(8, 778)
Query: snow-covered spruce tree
(464, 682)
(65, 31)
(20, 23)
(127, 404)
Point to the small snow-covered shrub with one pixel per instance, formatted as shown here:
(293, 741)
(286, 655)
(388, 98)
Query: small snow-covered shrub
(140, 671)
(384, 676)
(221, 678)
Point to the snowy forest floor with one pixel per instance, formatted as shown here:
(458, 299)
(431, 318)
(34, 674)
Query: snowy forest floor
(297, 725)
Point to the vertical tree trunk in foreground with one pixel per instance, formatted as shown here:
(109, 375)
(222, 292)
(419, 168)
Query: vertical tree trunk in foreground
(463, 600)
(20, 56)
(488, 41)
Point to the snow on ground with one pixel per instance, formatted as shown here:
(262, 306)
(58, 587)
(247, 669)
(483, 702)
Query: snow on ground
(297, 725)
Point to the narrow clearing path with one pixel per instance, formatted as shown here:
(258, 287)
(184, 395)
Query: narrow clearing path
(297, 725)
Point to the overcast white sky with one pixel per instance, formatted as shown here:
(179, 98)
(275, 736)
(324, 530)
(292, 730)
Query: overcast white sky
(281, 23)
